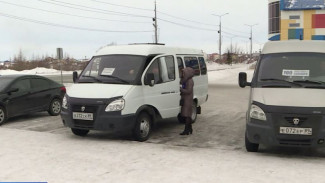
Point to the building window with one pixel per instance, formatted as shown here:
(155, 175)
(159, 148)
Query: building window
(294, 17)
(274, 17)
(294, 25)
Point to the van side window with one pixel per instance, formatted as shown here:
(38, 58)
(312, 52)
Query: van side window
(203, 66)
(193, 63)
(163, 69)
(180, 65)
(155, 70)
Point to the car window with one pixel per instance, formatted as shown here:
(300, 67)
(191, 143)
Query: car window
(163, 69)
(40, 84)
(23, 85)
(180, 65)
(193, 63)
(203, 66)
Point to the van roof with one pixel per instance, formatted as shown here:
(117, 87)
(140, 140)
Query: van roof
(146, 49)
(294, 46)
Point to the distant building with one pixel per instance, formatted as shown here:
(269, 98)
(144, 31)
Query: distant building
(296, 19)
(5, 64)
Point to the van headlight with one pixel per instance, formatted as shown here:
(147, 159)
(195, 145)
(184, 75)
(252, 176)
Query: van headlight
(257, 113)
(65, 102)
(116, 105)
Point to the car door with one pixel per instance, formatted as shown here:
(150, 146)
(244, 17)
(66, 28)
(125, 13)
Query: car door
(19, 102)
(165, 93)
(40, 94)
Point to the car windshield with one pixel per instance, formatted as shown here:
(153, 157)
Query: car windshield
(115, 69)
(4, 82)
(292, 70)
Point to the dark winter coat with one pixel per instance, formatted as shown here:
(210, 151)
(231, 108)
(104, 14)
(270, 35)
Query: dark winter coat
(187, 92)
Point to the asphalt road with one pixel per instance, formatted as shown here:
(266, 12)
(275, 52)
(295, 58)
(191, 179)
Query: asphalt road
(220, 126)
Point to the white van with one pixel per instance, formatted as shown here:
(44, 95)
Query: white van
(127, 88)
(287, 98)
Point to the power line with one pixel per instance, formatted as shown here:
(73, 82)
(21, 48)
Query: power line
(48, 11)
(188, 26)
(186, 19)
(89, 9)
(64, 26)
(112, 4)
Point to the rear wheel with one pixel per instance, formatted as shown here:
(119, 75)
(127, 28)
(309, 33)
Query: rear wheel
(3, 115)
(194, 112)
(250, 147)
(79, 132)
(143, 127)
(55, 107)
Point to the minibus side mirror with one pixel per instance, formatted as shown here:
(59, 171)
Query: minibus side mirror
(12, 90)
(149, 79)
(75, 76)
(242, 80)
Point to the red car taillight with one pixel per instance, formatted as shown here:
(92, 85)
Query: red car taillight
(63, 89)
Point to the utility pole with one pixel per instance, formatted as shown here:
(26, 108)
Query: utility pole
(155, 24)
(59, 56)
(251, 39)
(220, 16)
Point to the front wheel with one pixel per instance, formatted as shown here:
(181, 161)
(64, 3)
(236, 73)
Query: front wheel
(79, 132)
(250, 147)
(143, 127)
(55, 107)
(3, 115)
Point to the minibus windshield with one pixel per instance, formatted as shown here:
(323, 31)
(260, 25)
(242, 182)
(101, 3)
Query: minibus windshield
(292, 70)
(115, 69)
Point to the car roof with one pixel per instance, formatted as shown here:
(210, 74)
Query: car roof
(16, 76)
(146, 49)
(294, 46)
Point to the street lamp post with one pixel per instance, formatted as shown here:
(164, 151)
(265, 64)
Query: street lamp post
(220, 16)
(251, 38)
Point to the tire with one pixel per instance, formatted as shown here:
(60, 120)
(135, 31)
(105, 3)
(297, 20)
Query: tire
(79, 132)
(3, 116)
(250, 147)
(194, 111)
(143, 127)
(55, 107)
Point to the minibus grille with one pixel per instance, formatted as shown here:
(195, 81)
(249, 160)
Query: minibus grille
(291, 119)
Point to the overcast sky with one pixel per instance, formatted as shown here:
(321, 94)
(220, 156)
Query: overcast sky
(199, 32)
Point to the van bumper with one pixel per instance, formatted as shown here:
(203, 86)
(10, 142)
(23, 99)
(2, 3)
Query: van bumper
(268, 132)
(111, 122)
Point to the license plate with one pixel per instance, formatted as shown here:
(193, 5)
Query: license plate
(83, 116)
(296, 131)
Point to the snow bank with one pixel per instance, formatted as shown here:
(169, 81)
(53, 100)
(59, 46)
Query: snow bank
(228, 74)
(36, 71)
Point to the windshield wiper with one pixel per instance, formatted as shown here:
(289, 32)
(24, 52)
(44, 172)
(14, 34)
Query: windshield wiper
(117, 78)
(93, 77)
(309, 81)
(281, 80)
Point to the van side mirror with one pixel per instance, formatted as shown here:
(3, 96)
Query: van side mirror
(242, 80)
(12, 90)
(149, 79)
(75, 76)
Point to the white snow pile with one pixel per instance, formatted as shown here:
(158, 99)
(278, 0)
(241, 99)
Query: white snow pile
(228, 74)
(36, 71)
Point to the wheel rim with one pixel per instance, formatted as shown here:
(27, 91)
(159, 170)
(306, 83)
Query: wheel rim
(144, 127)
(56, 107)
(193, 112)
(2, 115)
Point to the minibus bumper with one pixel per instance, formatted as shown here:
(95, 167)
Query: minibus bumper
(268, 132)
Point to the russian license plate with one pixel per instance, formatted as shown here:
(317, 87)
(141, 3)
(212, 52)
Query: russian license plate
(296, 131)
(83, 116)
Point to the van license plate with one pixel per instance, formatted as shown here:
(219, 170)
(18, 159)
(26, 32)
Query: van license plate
(83, 116)
(296, 131)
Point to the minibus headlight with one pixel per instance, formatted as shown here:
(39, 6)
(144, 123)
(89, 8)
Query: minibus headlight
(65, 102)
(116, 105)
(257, 113)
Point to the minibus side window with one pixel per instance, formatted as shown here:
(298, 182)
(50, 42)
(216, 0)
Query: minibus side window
(203, 66)
(193, 63)
(180, 65)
